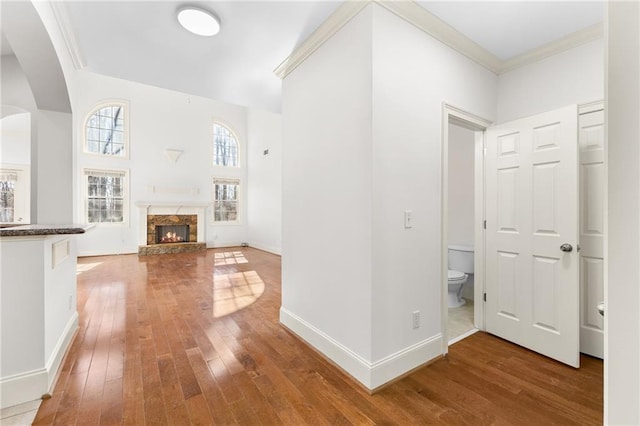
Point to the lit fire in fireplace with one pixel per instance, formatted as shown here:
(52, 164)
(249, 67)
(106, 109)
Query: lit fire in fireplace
(171, 237)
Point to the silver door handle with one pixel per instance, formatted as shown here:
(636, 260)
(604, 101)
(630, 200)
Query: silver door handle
(566, 247)
(600, 308)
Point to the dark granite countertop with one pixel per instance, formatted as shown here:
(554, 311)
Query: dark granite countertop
(32, 230)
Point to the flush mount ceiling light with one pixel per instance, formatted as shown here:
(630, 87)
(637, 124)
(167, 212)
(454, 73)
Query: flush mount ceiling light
(198, 21)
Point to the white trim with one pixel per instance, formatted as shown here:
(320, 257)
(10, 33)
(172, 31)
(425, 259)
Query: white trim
(471, 121)
(61, 16)
(268, 249)
(324, 32)
(31, 385)
(424, 20)
(570, 41)
(589, 107)
(370, 374)
(59, 351)
(463, 336)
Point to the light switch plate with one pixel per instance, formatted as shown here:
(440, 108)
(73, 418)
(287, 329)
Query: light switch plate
(408, 219)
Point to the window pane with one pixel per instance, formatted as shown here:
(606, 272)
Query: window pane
(225, 152)
(225, 204)
(105, 131)
(105, 191)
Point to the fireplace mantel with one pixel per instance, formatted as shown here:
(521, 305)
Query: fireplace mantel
(171, 208)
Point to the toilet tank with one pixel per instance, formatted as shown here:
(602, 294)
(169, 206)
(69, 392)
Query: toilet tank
(461, 258)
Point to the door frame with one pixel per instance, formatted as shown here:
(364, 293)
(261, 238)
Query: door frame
(470, 121)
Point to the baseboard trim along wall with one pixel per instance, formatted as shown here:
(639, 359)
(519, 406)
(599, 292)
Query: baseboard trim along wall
(372, 375)
(32, 385)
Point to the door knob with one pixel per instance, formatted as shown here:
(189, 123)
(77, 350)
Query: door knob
(566, 247)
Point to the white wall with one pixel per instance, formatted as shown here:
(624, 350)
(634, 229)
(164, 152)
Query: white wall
(15, 87)
(570, 77)
(327, 193)
(15, 139)
(622, 275)
(54, 159)
(264, 180)
(159, 119)
(413, 74)
(461, 185)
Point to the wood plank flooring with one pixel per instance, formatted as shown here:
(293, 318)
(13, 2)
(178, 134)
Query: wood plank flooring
(195, 339)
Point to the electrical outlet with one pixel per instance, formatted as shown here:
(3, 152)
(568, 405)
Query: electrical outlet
(415, 319)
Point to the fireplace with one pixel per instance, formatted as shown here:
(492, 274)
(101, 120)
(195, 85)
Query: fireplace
(168, 234)
(171, 228)
(184, 225)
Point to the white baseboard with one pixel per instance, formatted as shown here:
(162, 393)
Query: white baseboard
(31, 385)
(268, 249)
(371, 375)
(55, 360)
(93, 253)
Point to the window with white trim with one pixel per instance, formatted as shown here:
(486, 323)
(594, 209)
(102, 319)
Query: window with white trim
(225, 146)
(14, 195)
(106, 130)
(105, 192)
(226, 196)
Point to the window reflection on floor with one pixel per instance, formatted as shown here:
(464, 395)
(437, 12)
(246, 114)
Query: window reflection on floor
(230, 258)
(232, 292)
(84, 267)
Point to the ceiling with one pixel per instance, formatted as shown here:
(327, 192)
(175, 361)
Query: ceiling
(142, 41)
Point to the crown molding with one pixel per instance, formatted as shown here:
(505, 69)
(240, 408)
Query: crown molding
(324, 32)
(570, 41)
(421, 18)
(424, 20)
(62, 18)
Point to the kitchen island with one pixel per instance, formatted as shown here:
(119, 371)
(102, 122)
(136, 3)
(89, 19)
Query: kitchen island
(38, 317)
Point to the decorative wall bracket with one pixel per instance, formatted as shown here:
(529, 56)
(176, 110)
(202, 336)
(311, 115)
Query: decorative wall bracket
(173, 154)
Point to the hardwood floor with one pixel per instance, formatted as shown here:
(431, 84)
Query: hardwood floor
(195, 339)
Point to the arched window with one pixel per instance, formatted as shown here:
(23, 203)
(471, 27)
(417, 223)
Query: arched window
(106, 130)
(225, 146)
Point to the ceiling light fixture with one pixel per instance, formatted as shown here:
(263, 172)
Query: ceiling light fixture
(199, 21)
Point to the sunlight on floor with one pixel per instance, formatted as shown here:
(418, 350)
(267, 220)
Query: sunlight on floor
(232, 292)
(84, 267)
(230, 258)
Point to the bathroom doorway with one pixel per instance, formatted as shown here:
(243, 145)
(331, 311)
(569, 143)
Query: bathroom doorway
(460, 268)
(462, 217)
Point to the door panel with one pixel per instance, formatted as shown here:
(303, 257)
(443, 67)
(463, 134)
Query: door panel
(531, 210)
(592, 202)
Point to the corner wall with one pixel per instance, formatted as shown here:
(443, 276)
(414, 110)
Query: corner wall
(327, 198)
(264, 180)
(413, 75)
(362, 144)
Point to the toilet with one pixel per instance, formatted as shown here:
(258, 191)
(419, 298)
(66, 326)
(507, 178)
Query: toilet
(460, 265)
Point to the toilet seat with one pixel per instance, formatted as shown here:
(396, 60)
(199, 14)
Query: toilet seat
(454, 276)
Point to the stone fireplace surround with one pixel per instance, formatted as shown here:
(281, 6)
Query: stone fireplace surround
(154, 213)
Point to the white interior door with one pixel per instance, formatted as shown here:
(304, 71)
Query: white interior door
(532, 287)
(592, 187)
